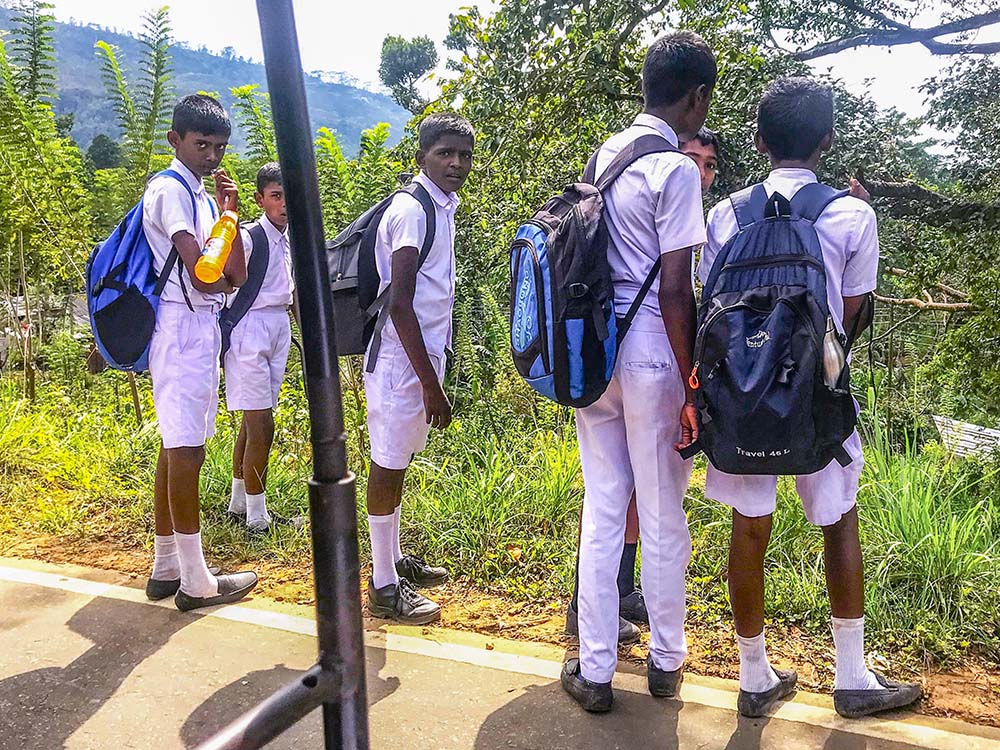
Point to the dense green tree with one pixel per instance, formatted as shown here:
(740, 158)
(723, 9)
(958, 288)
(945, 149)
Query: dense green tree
(104, 153)
(404, 63)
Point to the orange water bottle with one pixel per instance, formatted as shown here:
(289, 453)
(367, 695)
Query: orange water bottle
(216, 251)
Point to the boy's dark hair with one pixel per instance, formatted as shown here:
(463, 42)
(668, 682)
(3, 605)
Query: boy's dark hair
(794, 115)
(675, 64)
(200, 113)
(270, 172)
(435, 127)
(708, 137)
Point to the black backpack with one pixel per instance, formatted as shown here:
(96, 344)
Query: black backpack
(764, 406)
(360, 312)
(565, 332)
(233, 313)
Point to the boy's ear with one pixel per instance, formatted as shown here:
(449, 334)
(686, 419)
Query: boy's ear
(259, 199)
(173, 138)
(827, 143)
(421, 158)
(758, 142)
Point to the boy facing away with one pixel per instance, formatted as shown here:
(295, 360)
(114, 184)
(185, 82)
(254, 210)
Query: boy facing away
(258, 349)
(795, 127)
(628, 437)
(405, 389)
(703, 149)
(184, 351)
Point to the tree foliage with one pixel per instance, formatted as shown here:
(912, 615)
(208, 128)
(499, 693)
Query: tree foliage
(253, 113)
(404, 63)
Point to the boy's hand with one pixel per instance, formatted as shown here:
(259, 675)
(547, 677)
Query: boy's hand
(857, 190)
(227, 195)
(436, 406)
(689, 427)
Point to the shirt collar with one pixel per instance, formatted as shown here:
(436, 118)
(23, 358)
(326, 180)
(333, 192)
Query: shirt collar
(272, 232)
(443, 199)
(646, 120)
(189, 177)
(798, 175)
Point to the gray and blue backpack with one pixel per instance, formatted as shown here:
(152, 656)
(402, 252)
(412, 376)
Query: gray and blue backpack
(763, 404)
(565, 332)
(123, 288)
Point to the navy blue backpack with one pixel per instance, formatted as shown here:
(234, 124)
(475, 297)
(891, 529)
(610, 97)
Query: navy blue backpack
(565, 331)
(763, 404)
(123, 289)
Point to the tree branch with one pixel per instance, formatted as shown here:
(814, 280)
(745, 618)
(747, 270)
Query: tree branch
(927, 303)
(901, 34)
(908, 199)
(949, 290)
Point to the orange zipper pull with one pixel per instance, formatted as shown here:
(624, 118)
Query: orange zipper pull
(693, 380)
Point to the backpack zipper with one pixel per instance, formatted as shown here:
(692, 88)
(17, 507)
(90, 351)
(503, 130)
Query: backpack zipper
(774, 260)
(540, 292)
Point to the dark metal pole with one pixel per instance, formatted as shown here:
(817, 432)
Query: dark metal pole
(338, 680)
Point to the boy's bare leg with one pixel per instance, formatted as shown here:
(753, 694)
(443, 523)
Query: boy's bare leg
(182, 489)
(258, 425)
(238, 496)
(747, 548)
(845, 578)
(258, 435)
(166, 565)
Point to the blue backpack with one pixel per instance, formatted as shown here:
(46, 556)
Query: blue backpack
(123, 289)
(565, 331)
(764, 406)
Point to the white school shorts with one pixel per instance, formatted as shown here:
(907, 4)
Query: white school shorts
(184, 366)
(397, 422)
(255, 362)
(826, 495)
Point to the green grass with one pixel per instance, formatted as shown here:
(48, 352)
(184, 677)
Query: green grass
(497, 496)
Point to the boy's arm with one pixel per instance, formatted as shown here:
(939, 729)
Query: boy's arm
(677, 307)
(228, 197)
(404, 318)
(189, 252)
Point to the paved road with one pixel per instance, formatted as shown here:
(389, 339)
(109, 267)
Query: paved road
(86, 663)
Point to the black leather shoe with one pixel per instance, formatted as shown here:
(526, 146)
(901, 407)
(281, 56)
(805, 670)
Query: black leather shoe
(627, 632)
(232, 588)
(402, 603)
(853, 704)
(633, 608)
(755, 705)
(156, 589)
(595, 697)
(663, 684)
(419, 573)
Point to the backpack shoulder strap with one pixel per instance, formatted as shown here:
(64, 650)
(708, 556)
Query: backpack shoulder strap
(380, 307)
(173, 257)
(642, 146)
(749, 205)
(811, 200)
(230, 316)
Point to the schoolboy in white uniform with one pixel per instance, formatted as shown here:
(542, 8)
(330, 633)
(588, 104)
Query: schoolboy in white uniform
(184, 351)
(795, 127)
(403, 383)
(628, 437)
(258, 352)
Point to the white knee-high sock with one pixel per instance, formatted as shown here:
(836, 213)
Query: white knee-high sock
(852, 672)
(166, 565)
(383, 565)
(238, 497)
(195, 578)
(756, 674)
(396, 551)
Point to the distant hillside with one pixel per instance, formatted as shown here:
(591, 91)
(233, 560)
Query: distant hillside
(346, 109)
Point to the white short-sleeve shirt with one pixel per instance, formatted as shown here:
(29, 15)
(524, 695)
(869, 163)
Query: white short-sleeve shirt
(166, 210)
(404, 224)
(847, 231)
(653, 208)
(278, 285)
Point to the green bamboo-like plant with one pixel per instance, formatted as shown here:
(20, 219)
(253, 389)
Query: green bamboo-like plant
(33, 51)
(141, 109)
(253, 112)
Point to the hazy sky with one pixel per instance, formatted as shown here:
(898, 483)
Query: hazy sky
(347, 37)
